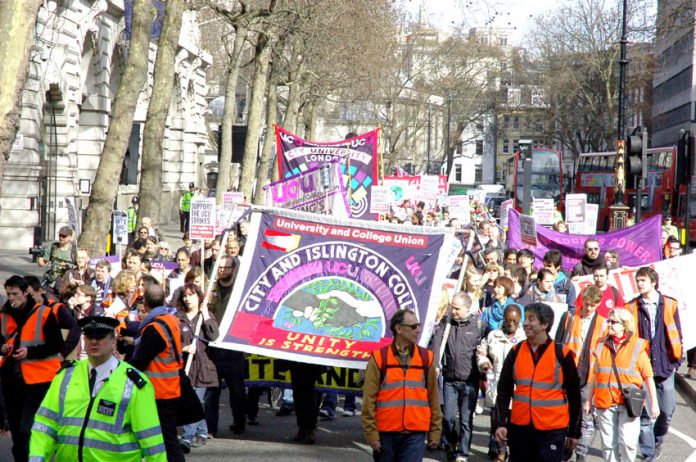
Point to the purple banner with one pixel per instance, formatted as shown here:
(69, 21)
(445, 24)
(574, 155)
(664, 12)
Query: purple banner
(321, 290)
(357, 159)
(637, 245)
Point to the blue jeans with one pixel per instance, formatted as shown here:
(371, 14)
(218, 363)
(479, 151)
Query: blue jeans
(650, 433)
(331, 400)
(400, 447)
(199, 428)
(459, 396)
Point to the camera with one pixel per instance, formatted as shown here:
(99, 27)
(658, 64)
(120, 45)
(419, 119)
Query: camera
(35, 252)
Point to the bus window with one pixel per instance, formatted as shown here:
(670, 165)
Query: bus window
(611, 165)
(593, 164)
(603, 160)
(583, 164)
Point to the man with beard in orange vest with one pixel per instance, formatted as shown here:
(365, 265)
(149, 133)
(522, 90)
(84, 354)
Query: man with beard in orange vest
(395, 427)
(541, 379)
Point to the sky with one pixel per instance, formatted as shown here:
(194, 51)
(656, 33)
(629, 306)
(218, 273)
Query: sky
(514, 14)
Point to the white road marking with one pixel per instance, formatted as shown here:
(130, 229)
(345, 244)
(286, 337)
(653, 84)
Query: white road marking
(689, 440)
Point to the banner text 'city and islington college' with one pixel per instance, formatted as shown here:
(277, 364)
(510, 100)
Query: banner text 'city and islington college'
(322, 290)
(357, 158)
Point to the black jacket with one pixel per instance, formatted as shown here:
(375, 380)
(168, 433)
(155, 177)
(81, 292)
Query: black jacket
(203, 372)
(459, 362)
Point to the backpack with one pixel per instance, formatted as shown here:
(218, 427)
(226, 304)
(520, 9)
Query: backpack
(384, 353)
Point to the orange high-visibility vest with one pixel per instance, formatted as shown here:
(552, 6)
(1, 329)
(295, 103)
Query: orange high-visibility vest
(402, 401)
(163, 371)
(574, 340)
(668, 312)
(539, 397)
(606, 388)
(33, 371)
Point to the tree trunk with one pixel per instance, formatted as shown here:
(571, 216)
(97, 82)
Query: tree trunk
(98, 215)
(291, 110)
(17, 20)
(151, 171)
(267, 153)
(311, 120)
(258, 89)
(230, 114)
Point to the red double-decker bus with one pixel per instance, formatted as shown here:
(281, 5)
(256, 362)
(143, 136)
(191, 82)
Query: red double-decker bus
(547, 176)
(595, 177)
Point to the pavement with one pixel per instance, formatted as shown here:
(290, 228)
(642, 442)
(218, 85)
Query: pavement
(686, 385)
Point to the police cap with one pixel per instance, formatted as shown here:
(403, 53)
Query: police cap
(97, 326)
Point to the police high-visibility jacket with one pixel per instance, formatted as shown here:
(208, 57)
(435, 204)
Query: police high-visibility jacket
(131, 214)
(668, 311)
(163, 371)
(119, 424)
(186, 201)
(40, 370)
(539, 398)
(632, 363)
(402, 401)
(574, 340)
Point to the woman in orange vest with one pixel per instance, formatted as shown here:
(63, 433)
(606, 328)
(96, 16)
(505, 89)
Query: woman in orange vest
(618, 431)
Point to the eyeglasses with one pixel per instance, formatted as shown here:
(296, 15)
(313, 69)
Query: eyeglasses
(614, 321)
(412, 326)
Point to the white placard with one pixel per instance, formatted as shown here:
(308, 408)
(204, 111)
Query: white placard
(380, 200)
(202, 218)
(459, 208)
(120, 227)
(575, 211)
(505, 207)
(429, 187)
(592, 210)
(543, 211)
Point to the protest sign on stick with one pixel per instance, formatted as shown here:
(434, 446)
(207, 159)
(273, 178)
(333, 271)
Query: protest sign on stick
(202, 218)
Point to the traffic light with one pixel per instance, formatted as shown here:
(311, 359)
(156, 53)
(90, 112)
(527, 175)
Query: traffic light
(636, 154)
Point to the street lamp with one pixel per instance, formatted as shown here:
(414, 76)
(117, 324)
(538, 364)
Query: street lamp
(619, 210)
(427, 165)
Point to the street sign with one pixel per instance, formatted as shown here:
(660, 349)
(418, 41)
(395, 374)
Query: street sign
(202, 218)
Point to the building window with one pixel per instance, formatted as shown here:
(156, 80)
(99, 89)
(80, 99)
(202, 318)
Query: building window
(478, 174)
(479, 147)
(502, 41)
(516, 123)
(458, 173)
(506, 121)
(540, 125)
(515, 145)
(506, 146)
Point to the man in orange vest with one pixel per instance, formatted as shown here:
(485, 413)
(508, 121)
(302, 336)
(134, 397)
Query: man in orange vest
(397, 417)
(580, 333)
(657, 318)
(546, 406)
(155, 357)
(32, 351)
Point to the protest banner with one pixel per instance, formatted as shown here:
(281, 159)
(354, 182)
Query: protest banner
(265, 371)
(317, 190)
(443, 185)
(322, 290)
(357, 159)
(202, 218)
(402, 188)
(380, 202)
(675, 280)
(460, 209)
(120, 227)
(636, 245)
(528, 233)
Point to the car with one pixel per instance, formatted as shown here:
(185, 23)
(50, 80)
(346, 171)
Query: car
(493, 204)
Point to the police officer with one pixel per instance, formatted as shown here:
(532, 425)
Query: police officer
(185, 207)
(60, 257)
(118, 422)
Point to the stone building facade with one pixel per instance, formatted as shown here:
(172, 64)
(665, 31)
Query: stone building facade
(76, 64)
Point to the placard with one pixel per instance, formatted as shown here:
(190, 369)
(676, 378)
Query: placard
(429, 187)
(120, 227)
(505, 207)
(380, 199)
(543, 211)
(575, 208)
(202, 218)
(528, 230)
(459, 208)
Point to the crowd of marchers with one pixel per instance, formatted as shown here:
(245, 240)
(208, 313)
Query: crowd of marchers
(91, 357)
(607, 368)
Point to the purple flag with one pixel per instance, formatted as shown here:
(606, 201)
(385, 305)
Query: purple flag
(637, 245)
